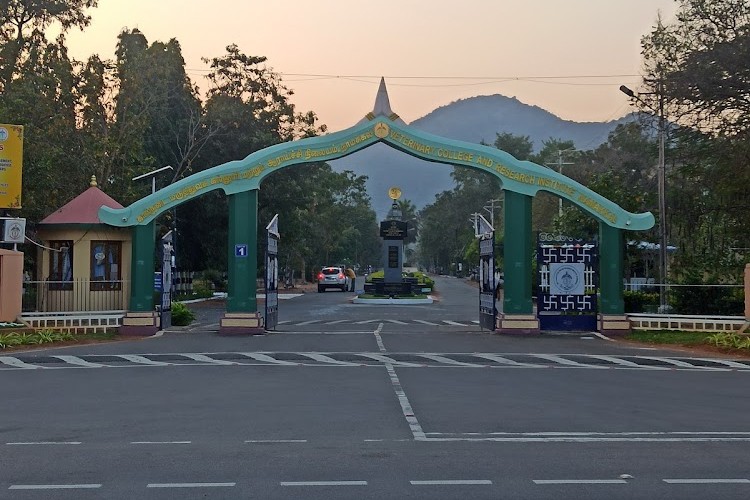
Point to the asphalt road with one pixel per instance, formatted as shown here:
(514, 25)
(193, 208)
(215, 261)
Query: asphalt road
(360, 401)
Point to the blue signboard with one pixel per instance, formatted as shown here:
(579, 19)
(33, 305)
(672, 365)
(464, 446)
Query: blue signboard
(157, 281)
(240, 250)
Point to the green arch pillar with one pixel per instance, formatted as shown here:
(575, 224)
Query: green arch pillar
(242, 315)
(612, 319)
(141, 318)
(518, 309)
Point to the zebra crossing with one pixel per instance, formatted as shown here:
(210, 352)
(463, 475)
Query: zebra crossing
(368, 359)
(403, 322)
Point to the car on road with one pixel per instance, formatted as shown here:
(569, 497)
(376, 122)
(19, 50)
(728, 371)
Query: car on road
(333, 277)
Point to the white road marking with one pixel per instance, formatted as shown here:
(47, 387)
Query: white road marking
(205, 359)
(580, 481)
(425, 322)
(256, 441)
(190, 485)
(283, 322)
(327, 359)
(378, 338)
(17, 363)
(54, 486)
(678, 363)
(366, 321)
(336, 322)
(706, 481)
(34, 443)
(500, 359)
(141, 360)
(323, 483)
(451, 481)
(386, 360)
(397, 322)
(75, 360)
(160, 442)
(603, 337)
(563, 361)
(455, 323)
(625, 362)
(312, 321)
(448, 361)
(267, 359)
(406, 409)
(726, 362)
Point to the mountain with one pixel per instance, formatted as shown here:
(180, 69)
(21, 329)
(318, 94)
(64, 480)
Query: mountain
(474, 119)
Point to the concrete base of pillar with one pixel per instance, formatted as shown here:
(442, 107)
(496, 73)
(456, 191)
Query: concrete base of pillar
(241, 324)
(140, 324)
(517, 324)
(614, 324)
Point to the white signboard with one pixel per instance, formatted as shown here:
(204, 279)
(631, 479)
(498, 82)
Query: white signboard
(566, 279)
(14, 231)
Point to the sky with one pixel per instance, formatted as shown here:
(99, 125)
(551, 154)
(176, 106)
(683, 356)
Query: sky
(566, 56)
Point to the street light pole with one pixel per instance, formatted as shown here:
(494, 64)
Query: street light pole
(661, 182)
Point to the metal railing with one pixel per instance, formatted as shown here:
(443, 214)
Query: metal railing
(77, 295)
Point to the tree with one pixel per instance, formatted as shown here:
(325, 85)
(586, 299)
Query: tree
(23, 24)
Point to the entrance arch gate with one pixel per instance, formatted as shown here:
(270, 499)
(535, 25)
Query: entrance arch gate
(241, 180)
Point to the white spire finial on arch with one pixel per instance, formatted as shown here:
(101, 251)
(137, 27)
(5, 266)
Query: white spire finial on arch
(382, 105)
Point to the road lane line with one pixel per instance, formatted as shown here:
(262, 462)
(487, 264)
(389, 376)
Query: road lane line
(726, 362)
(678, 363)
(267, 359)
(206, 359)
(323, 483)
(406, 409)
(505, 361)
(397, 322)
(322, 358)
(312, 321)
(54, 486)
(454, 323)
(706, 481)
(133, 358)
(42, 443)
(580, 481)
(190, 485)
(17, 363)
(625, 362)
(336, 322)
(160, 442)
(263, 441)
(378, 338)
(75, 360)
(387, 360)
(425, 322)
(451, 481)
(366, 321)
(448, 361)
(563, 361)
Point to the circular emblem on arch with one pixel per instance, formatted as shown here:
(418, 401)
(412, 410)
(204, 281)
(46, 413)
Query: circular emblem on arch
(382, 130)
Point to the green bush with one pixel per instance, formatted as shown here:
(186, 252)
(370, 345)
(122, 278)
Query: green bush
(636, 301)
(729, 341)
(181, 314)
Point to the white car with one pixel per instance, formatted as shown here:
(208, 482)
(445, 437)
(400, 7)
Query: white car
(333, 277)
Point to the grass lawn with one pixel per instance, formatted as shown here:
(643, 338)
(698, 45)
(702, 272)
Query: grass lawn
(668, 337)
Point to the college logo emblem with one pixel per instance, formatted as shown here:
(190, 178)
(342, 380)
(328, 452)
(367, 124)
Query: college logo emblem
(3, 134)
(382, 130)
(566, 279)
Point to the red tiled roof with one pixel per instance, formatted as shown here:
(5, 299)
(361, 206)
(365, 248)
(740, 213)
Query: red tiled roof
(83, 209)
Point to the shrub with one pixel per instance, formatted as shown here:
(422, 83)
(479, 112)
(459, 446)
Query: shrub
(636, 301)
(181, 314)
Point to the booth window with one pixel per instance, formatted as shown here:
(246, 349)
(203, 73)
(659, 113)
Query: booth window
(105, 265)
(60, 265)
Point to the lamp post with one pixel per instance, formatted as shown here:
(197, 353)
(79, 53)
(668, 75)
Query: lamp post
(661, 181)
(152, 174)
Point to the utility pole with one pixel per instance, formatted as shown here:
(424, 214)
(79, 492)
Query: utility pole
(560, 165)
(491, 209)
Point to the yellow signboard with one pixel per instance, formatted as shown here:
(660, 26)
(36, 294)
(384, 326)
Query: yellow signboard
(11, 159)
